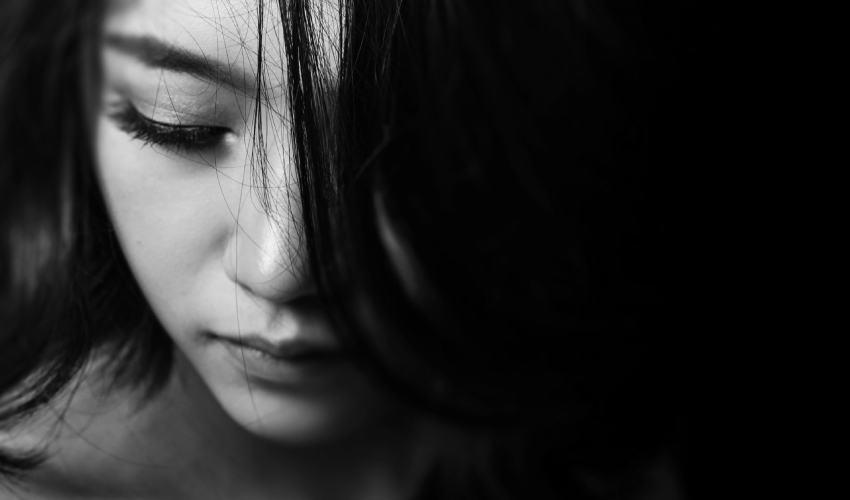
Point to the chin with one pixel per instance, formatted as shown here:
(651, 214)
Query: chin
(289, 403)
(293, 418)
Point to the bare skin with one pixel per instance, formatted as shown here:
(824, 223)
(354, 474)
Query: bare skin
(182, 445)
(209, 259)
(216, 266)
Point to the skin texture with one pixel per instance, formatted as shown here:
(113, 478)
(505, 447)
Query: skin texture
(211, 258)
(207, 254)
(182, 446)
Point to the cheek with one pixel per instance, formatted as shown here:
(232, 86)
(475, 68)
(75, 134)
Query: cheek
(167, 223)
(174, 219)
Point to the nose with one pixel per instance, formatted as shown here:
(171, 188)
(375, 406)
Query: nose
(265, 254)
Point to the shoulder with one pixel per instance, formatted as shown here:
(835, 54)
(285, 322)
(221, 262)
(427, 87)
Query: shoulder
(69, 434)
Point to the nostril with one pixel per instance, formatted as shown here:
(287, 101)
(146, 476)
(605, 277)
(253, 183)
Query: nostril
(266, 259)
(281, 285)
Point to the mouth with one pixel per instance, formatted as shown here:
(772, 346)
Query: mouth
(288, 350)
(290, 364)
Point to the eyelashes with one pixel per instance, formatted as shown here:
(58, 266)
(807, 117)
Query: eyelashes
(171, 136)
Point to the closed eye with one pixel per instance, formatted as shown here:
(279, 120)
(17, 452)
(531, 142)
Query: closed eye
(172, 136)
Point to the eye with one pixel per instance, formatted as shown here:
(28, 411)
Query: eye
(172, 136)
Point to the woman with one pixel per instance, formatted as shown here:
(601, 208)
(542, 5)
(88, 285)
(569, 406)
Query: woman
(362, 249)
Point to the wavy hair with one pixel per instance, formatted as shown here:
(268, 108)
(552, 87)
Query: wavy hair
(473, 187)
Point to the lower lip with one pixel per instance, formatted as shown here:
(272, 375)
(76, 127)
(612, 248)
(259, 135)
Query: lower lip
(280, 373)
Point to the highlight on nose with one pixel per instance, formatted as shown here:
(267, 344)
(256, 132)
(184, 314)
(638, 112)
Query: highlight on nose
(265, 256)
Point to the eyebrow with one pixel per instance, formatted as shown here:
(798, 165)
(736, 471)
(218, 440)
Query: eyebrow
(157, 53)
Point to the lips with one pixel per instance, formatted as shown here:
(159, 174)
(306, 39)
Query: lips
(291, 350)
(294, 364)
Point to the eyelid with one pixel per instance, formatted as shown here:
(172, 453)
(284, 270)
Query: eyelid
(151, 121)
(170, 135)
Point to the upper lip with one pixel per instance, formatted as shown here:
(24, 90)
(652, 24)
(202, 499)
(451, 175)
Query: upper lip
(286, 349)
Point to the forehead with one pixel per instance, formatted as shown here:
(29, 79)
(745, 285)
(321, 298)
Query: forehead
(223, 30)
(201, 20)
(238, 33)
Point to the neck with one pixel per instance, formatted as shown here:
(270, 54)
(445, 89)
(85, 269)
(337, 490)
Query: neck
(114, 445)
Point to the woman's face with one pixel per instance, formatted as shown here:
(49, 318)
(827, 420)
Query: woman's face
(177, 135)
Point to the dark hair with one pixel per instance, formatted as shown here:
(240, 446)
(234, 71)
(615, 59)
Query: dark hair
(474, 192)
(487, 204)
(65, 289)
